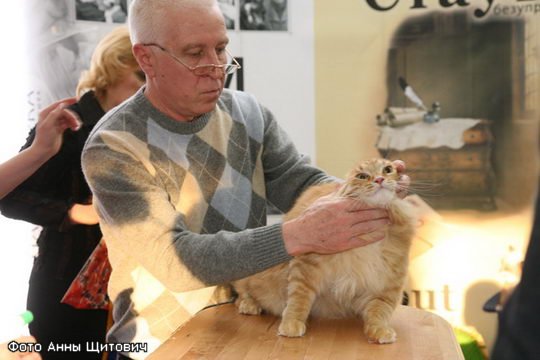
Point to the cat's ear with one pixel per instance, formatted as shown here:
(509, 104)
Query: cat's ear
(399, 165)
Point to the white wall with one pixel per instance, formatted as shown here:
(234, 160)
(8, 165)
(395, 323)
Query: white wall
(279, 71)
(278, 65)
(15, 236)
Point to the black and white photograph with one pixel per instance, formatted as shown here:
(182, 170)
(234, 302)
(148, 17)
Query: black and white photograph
(228, 8)
(108, 11)
(270, 15)
(60, 48)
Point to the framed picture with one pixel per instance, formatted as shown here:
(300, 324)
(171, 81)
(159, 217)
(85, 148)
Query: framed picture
(62, 37)
(263, 15)
(228, 8)
(106, 11)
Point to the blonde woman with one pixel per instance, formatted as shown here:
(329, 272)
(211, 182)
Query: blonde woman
(57, 198)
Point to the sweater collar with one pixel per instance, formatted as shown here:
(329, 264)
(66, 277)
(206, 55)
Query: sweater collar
(165, 121)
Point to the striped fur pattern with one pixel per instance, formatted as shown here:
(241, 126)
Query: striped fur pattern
(366, 282)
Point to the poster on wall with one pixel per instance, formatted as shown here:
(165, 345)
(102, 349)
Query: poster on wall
(453, 89)
(63, 34)
(109, 11)
(264, 15)
(455, 115)
(62, 37)
(450, 109)
(229, 10)
(257, 15)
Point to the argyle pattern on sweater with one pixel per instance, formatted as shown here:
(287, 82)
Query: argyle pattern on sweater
(182, 206)
(223, 171)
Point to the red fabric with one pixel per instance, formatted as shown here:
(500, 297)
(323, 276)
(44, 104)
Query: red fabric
(89, 288)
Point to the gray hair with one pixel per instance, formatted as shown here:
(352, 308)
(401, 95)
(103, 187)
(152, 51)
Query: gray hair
(146, 17)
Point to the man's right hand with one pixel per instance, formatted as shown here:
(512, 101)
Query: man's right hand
(332, 225)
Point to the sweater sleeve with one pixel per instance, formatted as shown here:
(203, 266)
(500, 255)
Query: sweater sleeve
(287, 172)
(138, 219)
(42, 199)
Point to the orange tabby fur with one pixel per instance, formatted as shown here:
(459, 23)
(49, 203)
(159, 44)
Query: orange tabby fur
(366, 282)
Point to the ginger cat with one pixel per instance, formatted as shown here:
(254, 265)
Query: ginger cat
(366, 282)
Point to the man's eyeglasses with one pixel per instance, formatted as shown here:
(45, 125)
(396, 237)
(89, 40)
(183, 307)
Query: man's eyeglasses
(205, 69)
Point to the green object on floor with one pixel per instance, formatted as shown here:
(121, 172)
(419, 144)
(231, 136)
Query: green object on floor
(469, 346)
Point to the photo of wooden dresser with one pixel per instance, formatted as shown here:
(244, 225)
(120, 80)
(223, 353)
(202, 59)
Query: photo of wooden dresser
(449, 162)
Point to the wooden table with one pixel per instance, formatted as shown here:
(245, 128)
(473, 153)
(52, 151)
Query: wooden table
(221, 333)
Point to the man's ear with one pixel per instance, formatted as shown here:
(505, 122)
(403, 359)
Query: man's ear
(145, 58)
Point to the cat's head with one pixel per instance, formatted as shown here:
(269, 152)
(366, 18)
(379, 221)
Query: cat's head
(374, 181)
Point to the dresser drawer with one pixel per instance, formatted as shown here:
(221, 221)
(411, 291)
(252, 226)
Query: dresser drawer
(452, 182)
(472, 157)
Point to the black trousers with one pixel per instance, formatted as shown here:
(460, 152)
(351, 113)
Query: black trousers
(519, 321)
(122, 357)
(57, 324)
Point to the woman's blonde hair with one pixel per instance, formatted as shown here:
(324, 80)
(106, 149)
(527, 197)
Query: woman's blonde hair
(110, 61)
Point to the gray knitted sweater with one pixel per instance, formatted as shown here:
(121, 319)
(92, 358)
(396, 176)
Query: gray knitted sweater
(182, 206)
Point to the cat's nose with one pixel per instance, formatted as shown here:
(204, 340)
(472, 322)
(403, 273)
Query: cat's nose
(379, 180)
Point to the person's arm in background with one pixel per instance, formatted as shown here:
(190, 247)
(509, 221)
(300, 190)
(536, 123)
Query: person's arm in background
(52, 123)
(46, 198)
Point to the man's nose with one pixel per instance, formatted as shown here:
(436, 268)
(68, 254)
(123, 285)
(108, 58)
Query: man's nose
(217, 72)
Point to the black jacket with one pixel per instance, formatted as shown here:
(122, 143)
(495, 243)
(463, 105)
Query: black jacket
(45, 198)
(518, 336)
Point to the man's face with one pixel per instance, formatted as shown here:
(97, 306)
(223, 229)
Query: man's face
(196, 37)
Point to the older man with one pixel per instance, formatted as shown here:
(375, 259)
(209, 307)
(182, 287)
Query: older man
(181, 174)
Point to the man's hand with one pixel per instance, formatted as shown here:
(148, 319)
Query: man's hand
(332, 225)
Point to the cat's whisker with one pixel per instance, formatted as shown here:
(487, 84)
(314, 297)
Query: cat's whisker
(428, 191)
(425, 189)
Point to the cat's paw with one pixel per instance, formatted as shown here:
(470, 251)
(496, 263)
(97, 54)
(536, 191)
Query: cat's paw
(292, 328)
(248, 307)
(380, 334)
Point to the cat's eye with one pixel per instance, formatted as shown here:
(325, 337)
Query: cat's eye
(362, 176)
(388, 170)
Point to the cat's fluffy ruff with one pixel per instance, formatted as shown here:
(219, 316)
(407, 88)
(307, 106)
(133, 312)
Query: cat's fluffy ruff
(365, 282)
